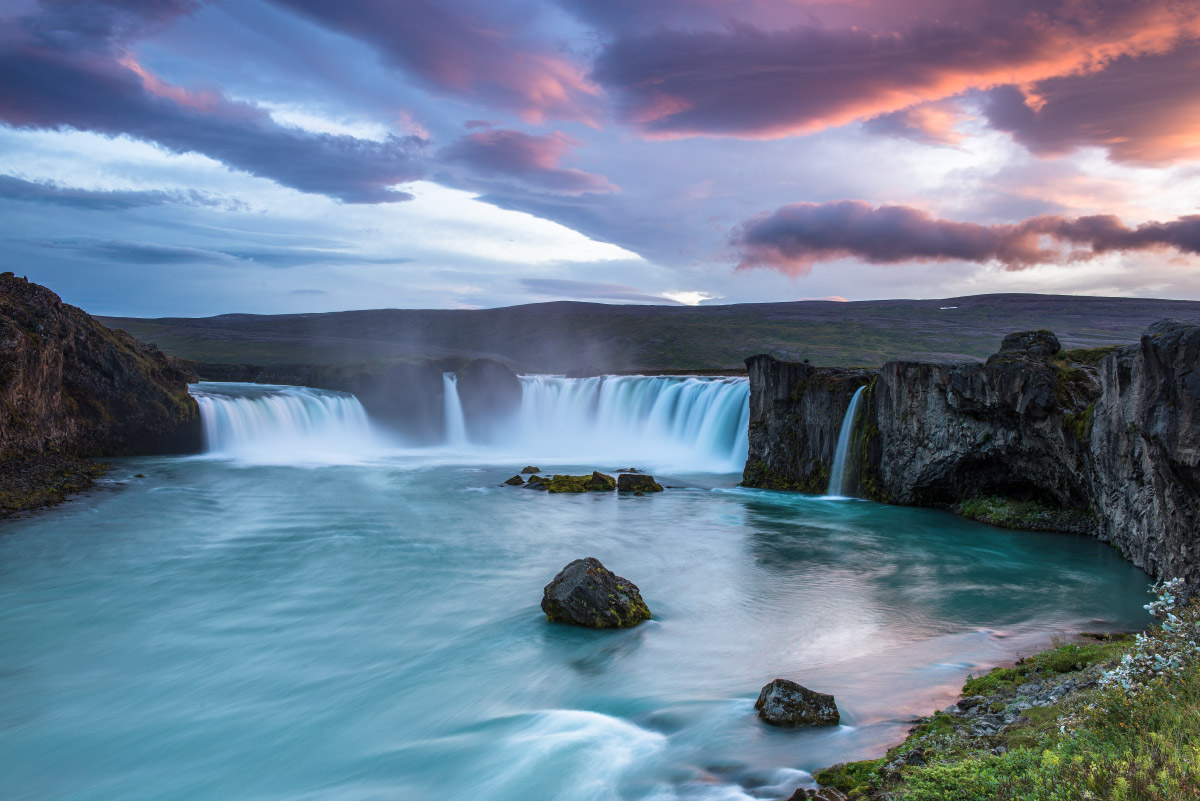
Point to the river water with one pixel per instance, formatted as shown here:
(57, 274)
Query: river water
(312, 610)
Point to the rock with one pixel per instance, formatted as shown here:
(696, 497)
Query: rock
(530, 469)
(596, 482)
(1033, 438)
(585, 593)
(637, 482)
(786, 703)
(490, 393)
(515, 481)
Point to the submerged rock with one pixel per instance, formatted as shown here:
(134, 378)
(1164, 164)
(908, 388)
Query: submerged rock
(531, 469)
(515, 481)
(586, 593)
(596, 482)
(786, 703)
(637, 482)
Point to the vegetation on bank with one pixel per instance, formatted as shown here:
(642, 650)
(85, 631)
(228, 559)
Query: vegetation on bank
(30, 481)
(1025, 515)
(1115, 718)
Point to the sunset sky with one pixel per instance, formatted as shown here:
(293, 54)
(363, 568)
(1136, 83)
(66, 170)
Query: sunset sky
(171, 157)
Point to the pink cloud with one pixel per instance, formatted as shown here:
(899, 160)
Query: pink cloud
(533, 160)
(795, 237)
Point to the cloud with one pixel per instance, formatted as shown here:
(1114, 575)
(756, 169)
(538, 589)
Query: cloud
(794, 238)
(13, 188)
(533, 160)
(753, 82)
(933, 123)
(1141, 111)
(134, 252)
(590, 290)
(67, 67)
(477, 51)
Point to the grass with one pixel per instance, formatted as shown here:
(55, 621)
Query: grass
(1026, 515)
(1063, 659)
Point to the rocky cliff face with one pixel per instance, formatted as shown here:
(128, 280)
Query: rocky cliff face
(1111, 449)
(1145, 447)
(792, 440)
(69, 387)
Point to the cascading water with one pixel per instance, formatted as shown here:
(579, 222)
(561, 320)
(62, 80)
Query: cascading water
(838, 483)
(281, 424)
(687, 421)
(456, 424)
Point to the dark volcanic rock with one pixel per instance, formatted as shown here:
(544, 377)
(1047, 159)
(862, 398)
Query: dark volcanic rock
(792, 436)
(1104, 445)
(637, 482)
(515, 481)
(71, 388)
(585, 593)
(491, 397)
(786, 703)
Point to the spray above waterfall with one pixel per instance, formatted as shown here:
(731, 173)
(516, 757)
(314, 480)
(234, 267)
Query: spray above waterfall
(840, 475)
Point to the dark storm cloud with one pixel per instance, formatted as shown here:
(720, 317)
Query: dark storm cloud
(793, 238)
(66, 68)
(1142, 111)
(759, 82)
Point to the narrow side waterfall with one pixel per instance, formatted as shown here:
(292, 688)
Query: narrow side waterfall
(282, 425)
(838, 483)
(689, 422)
(456, 424)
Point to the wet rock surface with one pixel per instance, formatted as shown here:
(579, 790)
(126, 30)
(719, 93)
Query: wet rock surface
(637, 482)
(596, 482)
(515, 481)
(785, 703)
(586, 593)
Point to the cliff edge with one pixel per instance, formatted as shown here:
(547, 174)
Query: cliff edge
(1099, 442)
(70, 389)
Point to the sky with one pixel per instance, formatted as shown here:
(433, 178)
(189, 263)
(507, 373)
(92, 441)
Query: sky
(184, 157)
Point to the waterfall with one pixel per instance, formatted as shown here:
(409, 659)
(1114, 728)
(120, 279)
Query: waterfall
(838, 484)
(281, 424)
(456, 424)
(686, 423)
(690, 422)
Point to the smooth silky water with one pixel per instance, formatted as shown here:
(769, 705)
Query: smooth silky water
(313, 610)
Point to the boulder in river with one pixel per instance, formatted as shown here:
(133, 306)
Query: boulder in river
(515, 481)
(586, 593)
(530, 469)
(596, 482)
(786, 703)
(637, 482)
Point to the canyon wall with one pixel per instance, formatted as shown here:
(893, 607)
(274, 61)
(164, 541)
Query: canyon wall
(1108, 447)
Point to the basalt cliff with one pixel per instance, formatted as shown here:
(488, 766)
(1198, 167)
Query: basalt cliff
(71, 389)
(1102, 442)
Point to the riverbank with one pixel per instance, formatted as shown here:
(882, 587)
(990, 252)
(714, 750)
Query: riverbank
(1110, 716)
(31, 481)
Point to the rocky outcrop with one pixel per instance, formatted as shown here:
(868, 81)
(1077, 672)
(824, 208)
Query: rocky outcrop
(1033, 435)
(637, 482)
(491, 397)
(596, 482)
(72, 388)
(585, 593)
(791, 404)
(1145, 447)
(785, 703)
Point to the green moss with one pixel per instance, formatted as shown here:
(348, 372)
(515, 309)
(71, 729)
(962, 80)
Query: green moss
(850, 776)
(1025, 515)
(1088, 356)
(1080, 424)
(596, 482)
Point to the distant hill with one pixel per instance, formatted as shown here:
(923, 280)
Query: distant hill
(594, 337)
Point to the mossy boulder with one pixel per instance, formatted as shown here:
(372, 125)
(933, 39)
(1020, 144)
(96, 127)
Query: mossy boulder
(596, 482)
(515, 481)
(637, 482)
(586, 593)
(530, 469)
(786, 703)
